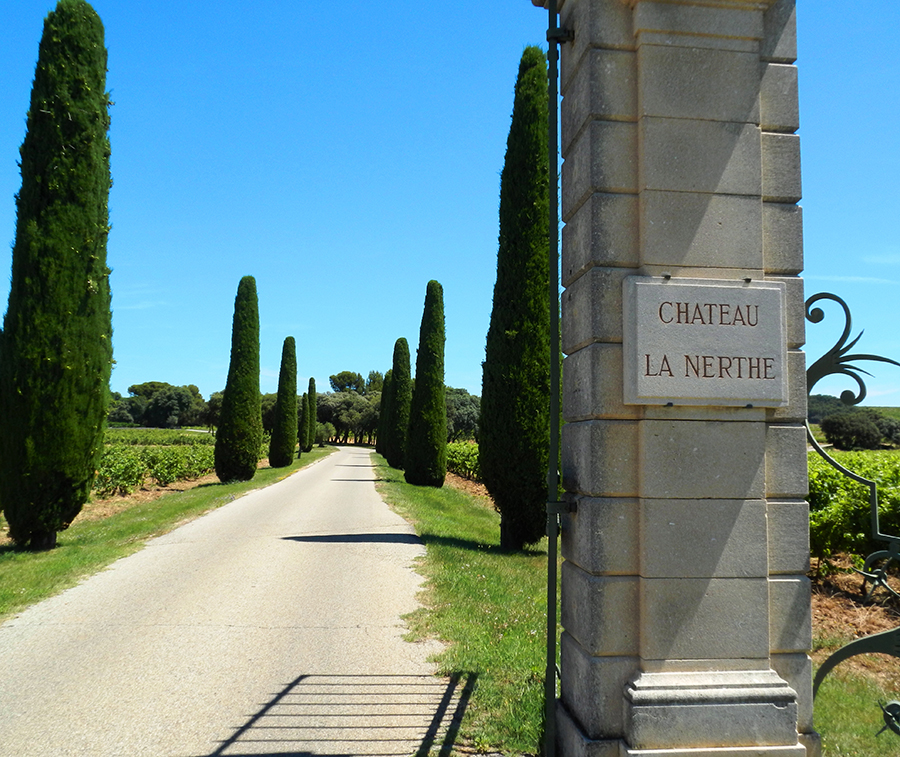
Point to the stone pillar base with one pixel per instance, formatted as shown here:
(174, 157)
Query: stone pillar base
(700, 710)
(745, 713)
(741, 751)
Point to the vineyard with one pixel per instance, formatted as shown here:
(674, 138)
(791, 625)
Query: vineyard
(161, 437)
(132, 457)
(839, 511)
(462, 459)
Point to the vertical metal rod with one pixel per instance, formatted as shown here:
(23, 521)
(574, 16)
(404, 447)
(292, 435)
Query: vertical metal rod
(552, 470)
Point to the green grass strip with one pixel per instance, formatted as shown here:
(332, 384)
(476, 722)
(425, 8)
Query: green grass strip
(488, 605)
(848, 717)
(88, 546)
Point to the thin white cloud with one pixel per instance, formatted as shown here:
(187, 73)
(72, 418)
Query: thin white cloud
(888, 257)
(853, 279)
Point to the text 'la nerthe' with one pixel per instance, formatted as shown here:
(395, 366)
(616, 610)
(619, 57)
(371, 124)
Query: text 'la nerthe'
(712, 367)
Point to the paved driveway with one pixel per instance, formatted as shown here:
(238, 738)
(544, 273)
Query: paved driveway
(270, 626)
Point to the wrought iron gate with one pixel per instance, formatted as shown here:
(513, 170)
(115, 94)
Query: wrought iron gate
(876, 566)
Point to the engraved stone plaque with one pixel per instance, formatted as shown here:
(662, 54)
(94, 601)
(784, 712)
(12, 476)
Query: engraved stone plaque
(704, 342)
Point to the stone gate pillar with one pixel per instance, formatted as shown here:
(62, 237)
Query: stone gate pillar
(685, 604)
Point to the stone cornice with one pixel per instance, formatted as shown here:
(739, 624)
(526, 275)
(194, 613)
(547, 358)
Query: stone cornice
(750, 5)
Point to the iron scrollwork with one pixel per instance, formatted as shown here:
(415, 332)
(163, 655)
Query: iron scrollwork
(836, 360)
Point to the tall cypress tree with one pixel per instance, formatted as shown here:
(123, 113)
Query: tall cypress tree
(56, 348)
(313, 414)
(384, 411)
(515, 398)
(303, 425)
(284, 433)
(239, 436)
(401, 397)
(426, 440)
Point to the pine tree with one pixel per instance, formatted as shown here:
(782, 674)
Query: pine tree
(384, 411)
(426, 440)
(239, 436)
(303, 425)
(515, 416)
(284, 433)
(56, 348)
(401, 397)
(313, 414)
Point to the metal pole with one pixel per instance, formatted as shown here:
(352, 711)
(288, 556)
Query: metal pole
(553, 38)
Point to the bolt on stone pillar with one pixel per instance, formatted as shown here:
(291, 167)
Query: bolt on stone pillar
(685, 604)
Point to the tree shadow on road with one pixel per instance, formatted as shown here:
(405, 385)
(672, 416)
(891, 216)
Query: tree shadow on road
(356, 539)
(405, 538)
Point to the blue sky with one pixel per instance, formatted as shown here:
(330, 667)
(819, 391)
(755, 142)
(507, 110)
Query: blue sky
(346, 153)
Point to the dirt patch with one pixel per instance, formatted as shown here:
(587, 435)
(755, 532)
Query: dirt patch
(841, 613)
(97, 509)
(477, 490)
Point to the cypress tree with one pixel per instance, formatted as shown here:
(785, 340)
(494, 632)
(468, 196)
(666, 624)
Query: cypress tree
(515, 399)
(284, 433)
(384, 411)
(426, 440)
(303, 425)
(240, 423)
(56, 348)
(401, 397)
(313, 413)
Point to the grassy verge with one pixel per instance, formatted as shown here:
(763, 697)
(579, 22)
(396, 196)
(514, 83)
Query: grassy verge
(488, 605)
(846, 710)
(90, 545)
(848, 717)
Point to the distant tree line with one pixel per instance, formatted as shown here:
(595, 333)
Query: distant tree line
(344, 416)
(159, 405)
(850, 428)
